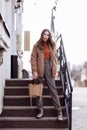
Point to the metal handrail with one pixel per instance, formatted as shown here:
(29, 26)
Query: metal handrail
(66, 81)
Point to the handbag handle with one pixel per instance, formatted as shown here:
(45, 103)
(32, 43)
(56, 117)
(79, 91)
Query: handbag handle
(39, 80)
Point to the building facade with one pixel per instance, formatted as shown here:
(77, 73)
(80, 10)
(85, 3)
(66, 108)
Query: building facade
(8, 42)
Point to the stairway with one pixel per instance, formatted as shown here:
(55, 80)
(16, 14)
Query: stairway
(18, 114)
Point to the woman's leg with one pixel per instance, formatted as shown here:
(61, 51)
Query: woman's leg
(39, 102)
(51, 85)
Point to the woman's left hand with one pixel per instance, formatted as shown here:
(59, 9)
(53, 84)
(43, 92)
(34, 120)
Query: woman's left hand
(35, 75)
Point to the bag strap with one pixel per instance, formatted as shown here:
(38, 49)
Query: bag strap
(39, 80)
(30, 101)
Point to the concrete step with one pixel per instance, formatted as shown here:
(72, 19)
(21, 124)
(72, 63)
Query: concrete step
(31, 122)
(19, 115)
(24, 90)
(25, 82)
(25, 100)
(20, 111)
(33, 129)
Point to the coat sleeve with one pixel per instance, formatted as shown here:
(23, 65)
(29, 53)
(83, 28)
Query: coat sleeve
(34, 59)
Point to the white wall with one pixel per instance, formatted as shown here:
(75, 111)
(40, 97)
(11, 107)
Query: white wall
(13, 34)
(2, 84)
(7, 13)
(4, 74)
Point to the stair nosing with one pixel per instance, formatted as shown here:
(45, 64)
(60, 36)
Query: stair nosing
(34, 128)
(24, 87)
(29, 118)
(24, 79)
(29, 107)
(27, 96)
(19, 79)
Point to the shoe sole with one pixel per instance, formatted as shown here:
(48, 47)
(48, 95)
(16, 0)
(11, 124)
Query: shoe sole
(39, 117)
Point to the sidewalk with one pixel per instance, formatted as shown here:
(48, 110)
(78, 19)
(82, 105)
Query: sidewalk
(79, 108)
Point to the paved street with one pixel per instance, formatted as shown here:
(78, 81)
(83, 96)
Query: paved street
(79, 110)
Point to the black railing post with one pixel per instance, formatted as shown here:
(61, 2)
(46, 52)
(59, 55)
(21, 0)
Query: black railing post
(70, 109)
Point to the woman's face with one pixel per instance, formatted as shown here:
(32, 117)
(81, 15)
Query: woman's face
(45, 36)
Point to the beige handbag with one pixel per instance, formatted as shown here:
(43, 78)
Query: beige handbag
(35, 89)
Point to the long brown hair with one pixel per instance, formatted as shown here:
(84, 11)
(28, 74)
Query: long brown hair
(50, 41)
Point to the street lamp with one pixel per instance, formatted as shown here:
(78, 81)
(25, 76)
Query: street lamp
(52, 20)
(18, 4)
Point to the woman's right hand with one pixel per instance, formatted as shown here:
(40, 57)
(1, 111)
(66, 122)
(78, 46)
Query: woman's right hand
(35, 75)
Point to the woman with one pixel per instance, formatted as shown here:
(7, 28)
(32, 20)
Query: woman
(44, 65)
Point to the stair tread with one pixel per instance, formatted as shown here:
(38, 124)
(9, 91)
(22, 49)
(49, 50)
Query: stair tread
(25, 82)
(24, 79)
(29, 107)
(33, 129)
(29, 119)
(24, 87)
(27, 96)
(18, 79)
